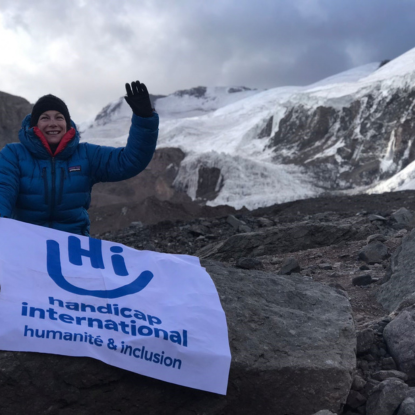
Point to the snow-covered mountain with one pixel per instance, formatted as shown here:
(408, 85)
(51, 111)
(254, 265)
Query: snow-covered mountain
(114, 119)
(254, 148)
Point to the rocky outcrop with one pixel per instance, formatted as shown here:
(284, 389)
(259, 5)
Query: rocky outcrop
(156, 180)
(400, 282)
(399, 335)
(293, 351)
(151, 196)
(12, 112)
(343, 143)
(289, 238)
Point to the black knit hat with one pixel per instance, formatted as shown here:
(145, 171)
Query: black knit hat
(49, 103)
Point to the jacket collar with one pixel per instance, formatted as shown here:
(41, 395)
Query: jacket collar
(62, 144)
(33, 143)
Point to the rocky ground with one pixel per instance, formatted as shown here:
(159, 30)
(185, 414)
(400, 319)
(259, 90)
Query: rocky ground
(336, 264)
(324, 239)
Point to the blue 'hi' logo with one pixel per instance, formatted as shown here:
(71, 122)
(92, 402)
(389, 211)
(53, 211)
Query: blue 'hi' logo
(95, 255)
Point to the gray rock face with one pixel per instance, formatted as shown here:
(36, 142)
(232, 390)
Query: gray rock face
(365, 340)
(306, 133)
(402, 278)
(235, 223)
(386, 397)
(292, 343)
(288, 238)
(407, 407)
(12, 112)
(399, 336)
(249, 263)
(355, 399)
(387, 374)
(289, 265)
(403, 216)
(374, 253)
(362, 280)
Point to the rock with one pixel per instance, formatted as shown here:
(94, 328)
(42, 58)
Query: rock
(388, 364)
(358, 383)
(292, 343)
(209, 183)
(401, 233)
(244, 229)
(235, 223)
(403, 216)
(362, 280)
(401, 282)
(365, 340)
(364, 267)
(340, 289)
(264, 222)
(355, 399)
(136, 224)
(325, 266)
(386, 397)
(407, 407)
(411, 393)
(249, 263)
(288, 266)
(386, 374)
(374, 253)
(283, 239)
(399, 336)
(407, 302)
(372, 218)
(369, 387)
(198, 230)
(375, 237)
(324, 412)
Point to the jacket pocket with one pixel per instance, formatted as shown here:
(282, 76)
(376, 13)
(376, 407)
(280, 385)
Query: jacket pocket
(45, 183)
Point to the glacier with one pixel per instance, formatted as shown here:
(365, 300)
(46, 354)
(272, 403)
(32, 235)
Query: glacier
(235, 130)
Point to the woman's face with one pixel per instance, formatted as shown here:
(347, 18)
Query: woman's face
(52, 124)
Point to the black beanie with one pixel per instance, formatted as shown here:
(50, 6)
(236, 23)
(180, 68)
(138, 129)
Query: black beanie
(49, 103)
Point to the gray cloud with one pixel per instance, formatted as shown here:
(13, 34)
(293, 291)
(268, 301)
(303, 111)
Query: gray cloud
(84, 51)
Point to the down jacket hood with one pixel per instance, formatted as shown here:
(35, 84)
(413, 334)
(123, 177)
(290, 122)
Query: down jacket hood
(32, 142)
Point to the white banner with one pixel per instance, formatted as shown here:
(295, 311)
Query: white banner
(155, 314)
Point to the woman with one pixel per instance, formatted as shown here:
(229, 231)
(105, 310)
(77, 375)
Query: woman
(47, 178)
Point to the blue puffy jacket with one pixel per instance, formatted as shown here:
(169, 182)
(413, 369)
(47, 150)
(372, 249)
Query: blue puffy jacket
(56, 191)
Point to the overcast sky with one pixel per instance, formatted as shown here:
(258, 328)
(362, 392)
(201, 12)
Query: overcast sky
(84, 51)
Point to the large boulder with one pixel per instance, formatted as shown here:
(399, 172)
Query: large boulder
(399, 336)
(386, 397)
(401, 282)
(285, 238)
(293, 351)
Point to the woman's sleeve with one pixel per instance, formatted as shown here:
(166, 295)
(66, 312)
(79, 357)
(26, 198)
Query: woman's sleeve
(9, 181)
(110, 164)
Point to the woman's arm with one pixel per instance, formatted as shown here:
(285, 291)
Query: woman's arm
(9, 180)
(114, 164)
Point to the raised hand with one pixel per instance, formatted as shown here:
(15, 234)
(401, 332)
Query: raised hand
(139, 99)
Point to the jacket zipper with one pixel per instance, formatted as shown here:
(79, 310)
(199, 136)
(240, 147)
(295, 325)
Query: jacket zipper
(61, 186)
(52, 205)
(45, 183)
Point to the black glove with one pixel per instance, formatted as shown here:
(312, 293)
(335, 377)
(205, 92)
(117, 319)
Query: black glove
(139, 99)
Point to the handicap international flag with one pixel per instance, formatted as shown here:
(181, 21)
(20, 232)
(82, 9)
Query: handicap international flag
(155, 314)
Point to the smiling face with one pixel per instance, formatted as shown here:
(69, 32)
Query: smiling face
(52, 124)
